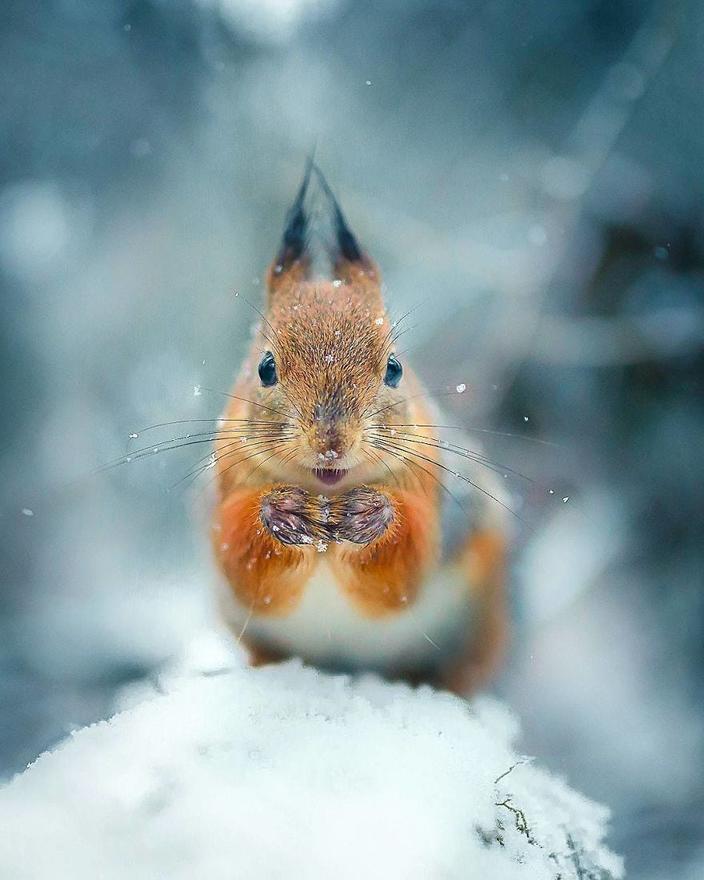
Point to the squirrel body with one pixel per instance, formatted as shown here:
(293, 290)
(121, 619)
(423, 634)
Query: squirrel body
(332, 527)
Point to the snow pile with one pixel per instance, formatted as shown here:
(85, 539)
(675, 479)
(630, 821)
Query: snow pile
(286, 772)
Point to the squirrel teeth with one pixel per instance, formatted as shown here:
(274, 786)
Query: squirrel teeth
(329, 476)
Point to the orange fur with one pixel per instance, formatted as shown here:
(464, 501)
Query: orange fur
(383, 577)
(267, 576)
(484, 559)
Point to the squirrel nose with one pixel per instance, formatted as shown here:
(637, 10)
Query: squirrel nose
(329, 441)
(330, 438)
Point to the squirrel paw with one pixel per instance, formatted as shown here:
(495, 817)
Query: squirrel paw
(361, 515)
(288, 513)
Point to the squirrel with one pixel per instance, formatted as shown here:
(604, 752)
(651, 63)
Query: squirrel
(337, 538)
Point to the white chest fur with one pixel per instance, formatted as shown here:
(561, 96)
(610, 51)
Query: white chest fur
(327, 629)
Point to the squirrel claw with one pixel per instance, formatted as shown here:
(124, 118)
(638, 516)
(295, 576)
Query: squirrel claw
(361, 515)
(288, 514)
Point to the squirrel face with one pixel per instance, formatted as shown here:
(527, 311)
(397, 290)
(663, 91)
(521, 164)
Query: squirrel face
(334, 371)
(324, 366)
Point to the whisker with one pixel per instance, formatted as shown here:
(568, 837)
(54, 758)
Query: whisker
(204, 421)
(245, 400)
(480, 458)
(182, 442)
(286, 395)
(224, 433)
(442, 392)
(380, 460)
(213, 458)
(148, 451)
(193, 475)
(408, 462)
(409, 329)
(264, 461)
(466, 480)
(234, 464)
(469, 454)
(266, 321)
(412, 614)
(473, 430)
(276, 346)
(405, 462)
(246, 622)
(409, 350)
(406, 315)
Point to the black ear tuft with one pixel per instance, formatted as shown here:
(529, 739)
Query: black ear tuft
(295, 235)
(304, 243)
(346, 245)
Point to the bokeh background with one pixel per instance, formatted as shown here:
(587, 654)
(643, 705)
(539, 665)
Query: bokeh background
(528, 175)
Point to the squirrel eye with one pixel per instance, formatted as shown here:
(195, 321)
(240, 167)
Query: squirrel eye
(394, 371)
(267, 370)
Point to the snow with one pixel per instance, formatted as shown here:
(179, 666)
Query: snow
(284, 771)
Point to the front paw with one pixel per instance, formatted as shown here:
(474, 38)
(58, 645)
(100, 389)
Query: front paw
(292, 516)
(361, 515)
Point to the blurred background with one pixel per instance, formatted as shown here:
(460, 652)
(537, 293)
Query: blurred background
(527, 174)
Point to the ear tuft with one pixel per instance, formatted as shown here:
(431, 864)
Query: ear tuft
(295, 259)
(292, 262)
(349, 261)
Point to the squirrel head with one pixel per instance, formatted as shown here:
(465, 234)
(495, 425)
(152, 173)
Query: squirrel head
(324, 362)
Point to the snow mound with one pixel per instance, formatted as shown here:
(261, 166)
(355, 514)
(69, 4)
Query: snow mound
(287, 772)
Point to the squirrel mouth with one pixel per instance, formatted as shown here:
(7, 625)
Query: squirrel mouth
(329, 476)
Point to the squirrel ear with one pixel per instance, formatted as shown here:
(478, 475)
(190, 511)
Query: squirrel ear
(350, 263)
(292, 262)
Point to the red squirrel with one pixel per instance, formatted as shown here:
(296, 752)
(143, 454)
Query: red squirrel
(332, 521)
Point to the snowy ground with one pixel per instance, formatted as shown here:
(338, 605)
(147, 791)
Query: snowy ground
(286, 772)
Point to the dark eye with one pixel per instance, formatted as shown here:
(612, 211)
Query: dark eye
(267, 370)
(394, 371)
